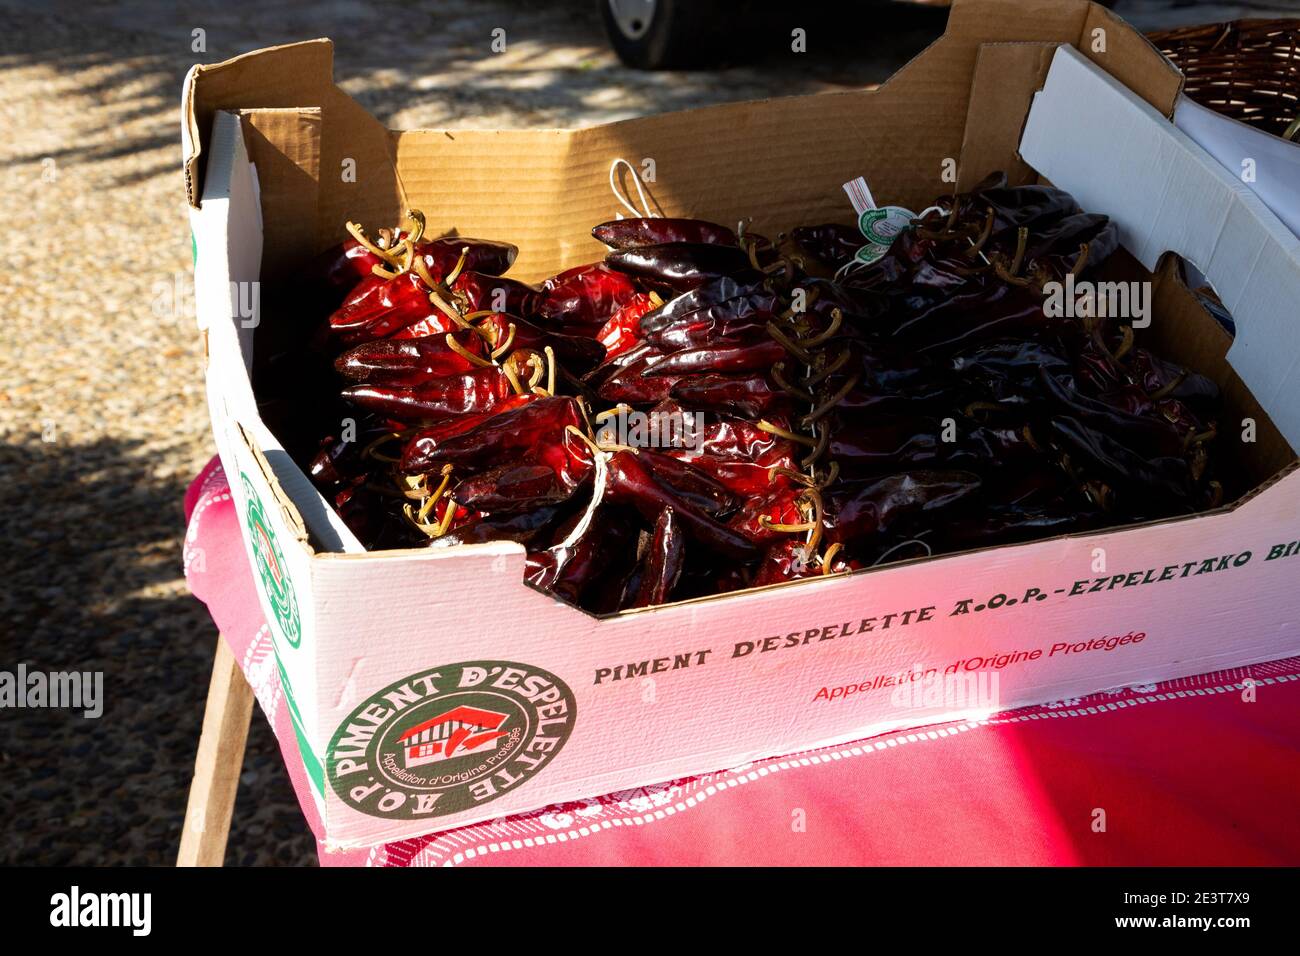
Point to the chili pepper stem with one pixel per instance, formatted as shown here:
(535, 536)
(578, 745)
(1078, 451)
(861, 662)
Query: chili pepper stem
(465, 353)
(779, 432)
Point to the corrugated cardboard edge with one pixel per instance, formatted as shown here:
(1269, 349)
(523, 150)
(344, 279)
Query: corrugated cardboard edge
(546, 217)
(284, 144)
(1231, 236)
(292, 75)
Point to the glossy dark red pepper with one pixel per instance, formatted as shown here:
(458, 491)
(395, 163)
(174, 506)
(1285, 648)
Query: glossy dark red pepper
(690, 481)
(680, 266)
(723, 289)
(737, 453)
(664, 559)
(576, 353)
(747, 396)
(378, 307)
(476, 391)
(756, 356)
(475, 292)
(583, 299)
(623, 330)
(441, 256)
(336, 271)
(631, 484)
(574, 569)
(511, 488)
(411, 361)
(493, 439)
(832, 243)
(635, 232)
(864, 509)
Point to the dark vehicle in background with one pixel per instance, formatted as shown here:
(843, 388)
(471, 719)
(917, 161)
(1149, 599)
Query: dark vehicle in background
(695, 34)
(685, 34)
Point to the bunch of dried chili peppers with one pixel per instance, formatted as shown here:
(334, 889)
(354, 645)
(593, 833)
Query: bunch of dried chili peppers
(840, 412)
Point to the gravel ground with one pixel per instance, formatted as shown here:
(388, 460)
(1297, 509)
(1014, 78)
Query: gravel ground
(102, 422)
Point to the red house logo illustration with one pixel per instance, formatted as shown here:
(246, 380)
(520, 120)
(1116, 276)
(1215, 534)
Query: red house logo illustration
(268, 549)
(459, 731)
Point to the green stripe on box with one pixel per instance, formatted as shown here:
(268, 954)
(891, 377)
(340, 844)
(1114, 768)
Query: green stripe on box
(315, 769)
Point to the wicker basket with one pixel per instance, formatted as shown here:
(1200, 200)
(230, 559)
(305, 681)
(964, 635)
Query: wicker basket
(1246, 69)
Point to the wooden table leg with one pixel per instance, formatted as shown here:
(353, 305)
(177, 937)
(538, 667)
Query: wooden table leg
(218, 764)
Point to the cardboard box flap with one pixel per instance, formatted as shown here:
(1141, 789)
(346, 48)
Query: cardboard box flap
(1098, 33)
(296, 74)
(228, 236)
(1166, 194)
(1007, 75)
(1130, 57)
(545, 189)
(347, 147)
(284, 145)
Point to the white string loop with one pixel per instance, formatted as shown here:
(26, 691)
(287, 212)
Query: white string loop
(621, 197)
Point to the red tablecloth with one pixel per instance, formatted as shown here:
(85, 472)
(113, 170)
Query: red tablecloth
(1199, 771)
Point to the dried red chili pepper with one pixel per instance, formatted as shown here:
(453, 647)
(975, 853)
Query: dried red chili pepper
(642, 231)
(442, 256)
(737, 453)
(747, 396)
(1000, 524)
(663, 563)
(693, 483)
(831, 242)
(523, 526)
(864, 509)
(583, 299)
(515, 487)
(766, 518)
(723, 289)
(371, 516)
(623, 330)
(1159, 377)
(378, 307)
(571, 568)
(627, 381)
(480, 390)
(575, 353)
(988, 311)
(630, 483)
(1147, 434)
(887, 440)
(706, 329)
(1141, 486)
(441, 431)
(790, 560)
(680, 266)
(477, 292)
(336, 271)
(496, 438)
(760, 355)
(412, 361)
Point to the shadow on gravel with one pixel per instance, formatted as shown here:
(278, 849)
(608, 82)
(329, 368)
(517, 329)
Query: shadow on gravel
(112, 790)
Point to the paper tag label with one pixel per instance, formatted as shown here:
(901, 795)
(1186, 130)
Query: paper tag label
(860, 195)
(871, 252)
(882, 226)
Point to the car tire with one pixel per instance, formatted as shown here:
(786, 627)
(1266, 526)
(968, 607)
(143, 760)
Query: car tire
(659, 34)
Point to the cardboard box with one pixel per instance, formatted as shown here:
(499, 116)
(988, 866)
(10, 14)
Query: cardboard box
(381, 653)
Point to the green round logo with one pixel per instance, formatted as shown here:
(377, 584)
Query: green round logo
(449, 738)
(268, 561)
(883, 225)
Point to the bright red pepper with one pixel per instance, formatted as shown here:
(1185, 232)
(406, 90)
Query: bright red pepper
(583, 299)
